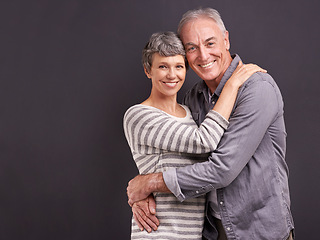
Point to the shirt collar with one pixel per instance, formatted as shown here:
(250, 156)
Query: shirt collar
(203, 88)
(228, 73)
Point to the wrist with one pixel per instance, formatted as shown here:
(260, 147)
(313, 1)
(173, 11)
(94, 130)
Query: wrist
(156, 183)
(232, 85)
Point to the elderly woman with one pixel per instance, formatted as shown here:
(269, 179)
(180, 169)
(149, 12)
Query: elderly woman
(162, 134)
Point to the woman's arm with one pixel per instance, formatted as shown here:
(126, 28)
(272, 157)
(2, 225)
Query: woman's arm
(149, 131)
(229, 92)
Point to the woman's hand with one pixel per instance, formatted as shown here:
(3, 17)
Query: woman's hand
(229, 92)
(144, 214)
(242, 73)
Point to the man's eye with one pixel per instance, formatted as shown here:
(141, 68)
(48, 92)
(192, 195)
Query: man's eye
(191, 49)
(210, 44)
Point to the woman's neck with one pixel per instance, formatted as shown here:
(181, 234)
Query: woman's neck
(166, 104)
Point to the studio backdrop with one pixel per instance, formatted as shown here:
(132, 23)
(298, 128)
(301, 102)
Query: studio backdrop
(70, 69)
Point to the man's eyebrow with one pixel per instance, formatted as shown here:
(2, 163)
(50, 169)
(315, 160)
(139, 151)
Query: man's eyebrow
(210, 38)
(189, 43)
(207, 40)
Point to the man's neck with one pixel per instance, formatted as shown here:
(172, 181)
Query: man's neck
(213, 84)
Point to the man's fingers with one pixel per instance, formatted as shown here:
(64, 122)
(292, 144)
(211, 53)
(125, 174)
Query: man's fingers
(151, 223)
(146, 220)
(137, 222)
(128, 194)
(142, 215)
(140, 218)
(154, 222)
(143, 209)
(152, 204)
(141, 223)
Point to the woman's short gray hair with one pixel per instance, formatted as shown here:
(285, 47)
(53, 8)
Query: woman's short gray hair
(201, 12)
(167, 44)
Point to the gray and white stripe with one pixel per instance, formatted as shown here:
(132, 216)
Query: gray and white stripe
(159, 141)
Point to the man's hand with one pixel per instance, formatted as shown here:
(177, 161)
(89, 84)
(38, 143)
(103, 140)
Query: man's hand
(144, 214)
(138, 189)
(142, 186)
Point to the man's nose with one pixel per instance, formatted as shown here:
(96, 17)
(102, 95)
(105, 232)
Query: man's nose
(203, 53)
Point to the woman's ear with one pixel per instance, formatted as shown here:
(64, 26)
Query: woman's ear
(147, 73)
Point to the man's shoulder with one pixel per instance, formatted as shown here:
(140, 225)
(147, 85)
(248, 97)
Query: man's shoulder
(193, 93)
(199, 87)
(260, 78)
(260, 85)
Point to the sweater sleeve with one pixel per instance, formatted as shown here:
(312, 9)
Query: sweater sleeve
(148, 131)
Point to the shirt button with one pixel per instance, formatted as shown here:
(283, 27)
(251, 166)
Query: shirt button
(221, 203)
(228, 228)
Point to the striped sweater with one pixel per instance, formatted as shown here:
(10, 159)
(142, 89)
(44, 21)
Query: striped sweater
(159, 141)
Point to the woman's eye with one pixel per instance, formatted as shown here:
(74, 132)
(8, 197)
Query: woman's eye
(162, 66)
(180, 66)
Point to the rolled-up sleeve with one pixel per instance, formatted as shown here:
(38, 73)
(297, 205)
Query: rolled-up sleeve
(170, 178)
(259, 103)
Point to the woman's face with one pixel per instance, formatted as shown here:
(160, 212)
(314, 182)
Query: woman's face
(167, 74)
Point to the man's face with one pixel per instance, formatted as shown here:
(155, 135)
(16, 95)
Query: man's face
(207, 48)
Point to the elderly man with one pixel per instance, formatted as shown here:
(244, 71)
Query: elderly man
(246, 178)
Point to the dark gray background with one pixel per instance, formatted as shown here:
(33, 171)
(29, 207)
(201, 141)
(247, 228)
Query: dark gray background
(70, 69)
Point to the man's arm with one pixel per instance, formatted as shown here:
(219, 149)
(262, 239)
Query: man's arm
(142, 186)
(258, 105)
(144, 209)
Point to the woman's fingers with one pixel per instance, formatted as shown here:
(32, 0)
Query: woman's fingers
(243, 72)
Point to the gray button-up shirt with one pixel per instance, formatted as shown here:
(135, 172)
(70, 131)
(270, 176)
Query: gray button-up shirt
(248, 169)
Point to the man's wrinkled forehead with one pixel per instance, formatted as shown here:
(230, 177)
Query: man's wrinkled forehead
(205, 28)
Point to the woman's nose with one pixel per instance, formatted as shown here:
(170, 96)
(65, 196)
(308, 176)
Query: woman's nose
(171, 74)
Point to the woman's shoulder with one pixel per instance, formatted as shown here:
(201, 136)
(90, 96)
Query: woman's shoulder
(134, 107)
(141, 109)
(187, 109)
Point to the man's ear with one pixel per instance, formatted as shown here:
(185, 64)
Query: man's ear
(226, 40)
(146, 72)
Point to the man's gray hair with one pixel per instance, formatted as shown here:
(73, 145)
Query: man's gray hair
(167, 44)
(200, 13)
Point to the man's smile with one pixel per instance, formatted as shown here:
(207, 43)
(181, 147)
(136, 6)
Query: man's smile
(208, 64)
